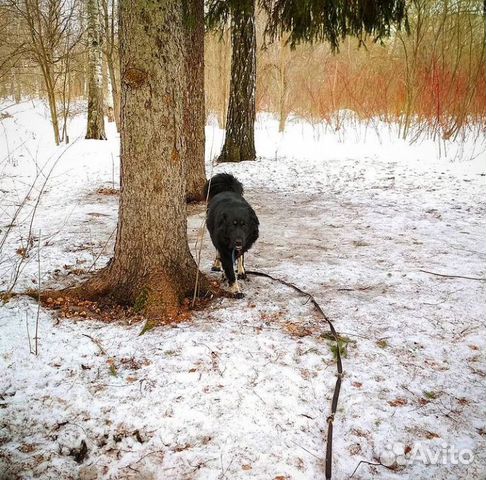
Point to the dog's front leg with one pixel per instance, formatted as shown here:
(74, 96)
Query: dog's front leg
(229, 271)
(241, 267)
(217, 263)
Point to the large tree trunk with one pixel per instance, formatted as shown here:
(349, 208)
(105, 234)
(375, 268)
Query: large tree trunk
(152, 268)
(96, 120)
(239, 141)
(194, 112)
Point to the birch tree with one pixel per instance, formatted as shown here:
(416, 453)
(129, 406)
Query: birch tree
(110, 48)
(96, 120)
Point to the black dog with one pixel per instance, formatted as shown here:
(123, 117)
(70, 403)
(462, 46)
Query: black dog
(232, 224)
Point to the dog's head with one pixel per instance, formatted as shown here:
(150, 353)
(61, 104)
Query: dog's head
(237, 225)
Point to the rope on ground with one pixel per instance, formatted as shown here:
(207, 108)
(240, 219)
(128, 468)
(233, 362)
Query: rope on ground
(339, 365)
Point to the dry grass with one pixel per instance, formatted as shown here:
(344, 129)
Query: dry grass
(431, 82)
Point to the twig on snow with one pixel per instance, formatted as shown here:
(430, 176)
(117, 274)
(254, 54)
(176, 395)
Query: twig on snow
(20, 265)
(379, 464)
(305, 449)
(201, 464)
(101, 251)
(36, 338)
(361, 289)
(28, 334)
(96, 342)
(153, 452)
(224, 471)
(453, 276)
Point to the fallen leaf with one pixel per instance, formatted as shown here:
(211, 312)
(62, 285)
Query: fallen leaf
(297, 330)
(398, 402)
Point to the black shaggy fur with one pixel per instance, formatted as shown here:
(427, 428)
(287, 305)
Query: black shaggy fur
(223, 182)
(232, 223)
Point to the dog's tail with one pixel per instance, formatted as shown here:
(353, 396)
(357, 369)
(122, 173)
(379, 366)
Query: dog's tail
(222, 182)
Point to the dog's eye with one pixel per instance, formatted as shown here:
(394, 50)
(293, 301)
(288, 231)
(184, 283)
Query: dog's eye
(235, 223)
(242, 223)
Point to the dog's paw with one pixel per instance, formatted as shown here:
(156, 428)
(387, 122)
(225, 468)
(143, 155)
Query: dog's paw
(215, 269)
(242, 276)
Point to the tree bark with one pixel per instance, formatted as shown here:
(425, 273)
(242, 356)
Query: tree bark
(152, 268)
(239, 141)
(96, 120)
(194, 106)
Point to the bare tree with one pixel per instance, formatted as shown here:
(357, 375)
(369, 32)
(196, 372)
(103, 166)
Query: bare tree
(47, 35)
(11, 53)
(274, 72)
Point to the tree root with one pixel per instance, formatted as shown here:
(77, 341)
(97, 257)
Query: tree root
(101, 297)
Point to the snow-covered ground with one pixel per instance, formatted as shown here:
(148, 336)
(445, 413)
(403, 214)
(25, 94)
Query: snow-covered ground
(243, 389)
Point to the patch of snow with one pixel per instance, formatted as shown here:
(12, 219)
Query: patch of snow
(352, 217)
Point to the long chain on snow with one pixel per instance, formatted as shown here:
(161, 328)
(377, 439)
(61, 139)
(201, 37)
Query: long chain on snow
(339, 366)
